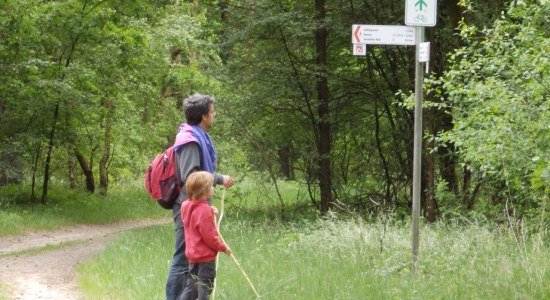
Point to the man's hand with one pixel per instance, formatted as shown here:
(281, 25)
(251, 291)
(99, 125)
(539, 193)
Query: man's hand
(214, 210)
(228, 251)
(228, 181)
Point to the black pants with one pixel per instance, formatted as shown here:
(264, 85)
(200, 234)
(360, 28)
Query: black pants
(200, 281)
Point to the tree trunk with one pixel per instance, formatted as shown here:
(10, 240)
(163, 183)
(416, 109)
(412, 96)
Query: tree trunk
(431, 204)
(70, 170)
(466, 183)
(49, 155)
(324, 129)
(87, 170)
(284, 162)
(226, 51)
(381, 153)
(279, 196)
(444, 119)
(54, 122)
(103, 170)
(36, 159)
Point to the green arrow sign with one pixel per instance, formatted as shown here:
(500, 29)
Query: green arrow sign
(421, 13)
(419, 3)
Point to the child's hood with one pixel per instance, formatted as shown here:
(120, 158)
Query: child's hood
(189, 206)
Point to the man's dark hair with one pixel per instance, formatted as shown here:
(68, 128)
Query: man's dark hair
(196, 106)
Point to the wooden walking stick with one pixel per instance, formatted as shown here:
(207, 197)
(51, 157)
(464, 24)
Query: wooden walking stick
(244, 274)
(218, 228)
(231, 255)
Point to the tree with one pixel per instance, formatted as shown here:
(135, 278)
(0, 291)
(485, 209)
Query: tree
(84, 82)
(323, 129)
(363, 131)
(498, 84)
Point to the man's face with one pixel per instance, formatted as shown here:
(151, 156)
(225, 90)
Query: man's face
(208, 119)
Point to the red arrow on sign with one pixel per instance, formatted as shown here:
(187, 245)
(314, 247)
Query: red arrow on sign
(356, 34)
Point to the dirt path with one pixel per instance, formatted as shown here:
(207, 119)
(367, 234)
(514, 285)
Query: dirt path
(51, 274)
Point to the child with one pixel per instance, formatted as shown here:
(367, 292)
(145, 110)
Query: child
(201, 236)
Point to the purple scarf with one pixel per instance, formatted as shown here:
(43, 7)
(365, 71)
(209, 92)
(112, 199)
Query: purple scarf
(187, 134)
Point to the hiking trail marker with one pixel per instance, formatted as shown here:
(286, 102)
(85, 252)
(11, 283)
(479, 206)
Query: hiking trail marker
(421, 12)
(360, 49)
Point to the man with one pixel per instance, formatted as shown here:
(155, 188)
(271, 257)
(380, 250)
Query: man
(194, 152)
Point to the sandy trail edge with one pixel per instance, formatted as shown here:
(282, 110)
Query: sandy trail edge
(51, 274)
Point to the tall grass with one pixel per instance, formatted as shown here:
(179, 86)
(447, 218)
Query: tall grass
(73, 206)
(133, 267)
(289, 253)
(259, 199)
(335, 259)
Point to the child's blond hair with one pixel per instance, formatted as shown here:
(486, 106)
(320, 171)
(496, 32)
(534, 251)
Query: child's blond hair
(198, 183)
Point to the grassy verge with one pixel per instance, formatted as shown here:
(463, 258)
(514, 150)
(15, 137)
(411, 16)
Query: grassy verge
(71, 206)
(134, 266)
(38, 250)
(335, 259)
(3, 292)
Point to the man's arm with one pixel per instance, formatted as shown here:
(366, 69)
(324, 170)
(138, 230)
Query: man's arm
(188, 160)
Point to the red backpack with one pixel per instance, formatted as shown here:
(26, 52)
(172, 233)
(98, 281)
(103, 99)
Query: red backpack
(161, 181)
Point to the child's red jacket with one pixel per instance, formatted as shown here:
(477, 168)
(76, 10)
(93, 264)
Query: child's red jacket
(202, 241)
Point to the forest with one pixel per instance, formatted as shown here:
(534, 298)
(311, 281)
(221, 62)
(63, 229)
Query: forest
(319, 142)
(92, 90)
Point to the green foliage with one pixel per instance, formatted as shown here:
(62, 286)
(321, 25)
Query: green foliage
(118, 70)
(498, 86)
(271, 79)
(109, 67)
(68, 207)
(258, 197)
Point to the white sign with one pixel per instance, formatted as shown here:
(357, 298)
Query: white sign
(421, 12)
(424, 52)
(359, 49)
(383, 35)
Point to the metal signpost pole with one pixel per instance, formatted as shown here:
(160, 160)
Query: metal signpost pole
(417, 156)
(418, 13)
